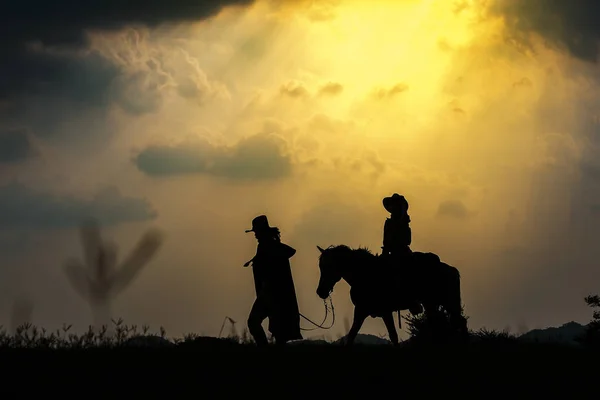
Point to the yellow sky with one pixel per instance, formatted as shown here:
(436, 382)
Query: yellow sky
(426, 98)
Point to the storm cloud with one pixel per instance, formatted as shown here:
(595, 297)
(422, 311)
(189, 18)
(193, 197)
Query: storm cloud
(49, 74)
(65, 23)
(258, 157)
(15, 146)
(569, 24)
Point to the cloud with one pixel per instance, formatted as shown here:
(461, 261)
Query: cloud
(46, 90)
(294, 90)
(258, 157)
(567, 24)
(50, 75)
(322, 11)
(15, 146)
(452, 209)
(331, 89)
(22, 207)
(386, 93)
(64, 21)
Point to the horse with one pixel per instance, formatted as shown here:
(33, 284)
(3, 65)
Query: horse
(374, 289)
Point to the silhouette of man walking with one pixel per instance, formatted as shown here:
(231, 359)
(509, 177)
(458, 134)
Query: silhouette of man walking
(274, 285)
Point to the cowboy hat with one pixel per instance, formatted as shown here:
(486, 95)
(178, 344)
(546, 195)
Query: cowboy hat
(395, 202)
(260, 223)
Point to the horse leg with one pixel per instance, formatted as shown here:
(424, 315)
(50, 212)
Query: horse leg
(388, 320)
(359, 318)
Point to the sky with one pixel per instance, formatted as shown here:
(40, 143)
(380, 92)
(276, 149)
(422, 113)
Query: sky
(194, 118)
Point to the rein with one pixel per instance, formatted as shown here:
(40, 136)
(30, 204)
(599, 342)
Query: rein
(320, 326)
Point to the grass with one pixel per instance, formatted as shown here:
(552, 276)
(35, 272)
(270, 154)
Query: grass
(29, 336)
(208, 366)
(127, 337)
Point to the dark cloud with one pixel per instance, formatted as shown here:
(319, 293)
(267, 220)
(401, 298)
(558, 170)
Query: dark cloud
(21, 207)
(452, 209)
(46, 91)
(15, 146)
(47, 74)
(255, 158)
(570, 24)
(65, 21)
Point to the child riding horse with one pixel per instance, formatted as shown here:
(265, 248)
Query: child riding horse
(397, 237)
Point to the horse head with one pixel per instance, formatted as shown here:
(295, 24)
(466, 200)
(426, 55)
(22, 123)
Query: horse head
(330, 267)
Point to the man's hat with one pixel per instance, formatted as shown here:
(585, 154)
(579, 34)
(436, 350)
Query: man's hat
(260, 223)
(395, 202)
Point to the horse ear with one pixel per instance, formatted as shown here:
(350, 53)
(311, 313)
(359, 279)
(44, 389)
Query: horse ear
(320, 249)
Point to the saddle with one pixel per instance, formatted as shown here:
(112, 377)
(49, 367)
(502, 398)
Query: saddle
(405, 271)
(421, 258)
(411, 262)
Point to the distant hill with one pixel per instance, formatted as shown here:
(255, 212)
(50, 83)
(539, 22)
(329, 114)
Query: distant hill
(567, 334)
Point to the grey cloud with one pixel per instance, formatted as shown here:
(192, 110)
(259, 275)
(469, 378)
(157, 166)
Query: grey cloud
(571, 24)
(44, 87)
(22, 207)
(44, 90)
(255, 158)
(137, 94)
(15, 146)
(64, 21)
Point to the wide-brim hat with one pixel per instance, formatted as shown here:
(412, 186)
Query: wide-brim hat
(260, 223)
(395, 203)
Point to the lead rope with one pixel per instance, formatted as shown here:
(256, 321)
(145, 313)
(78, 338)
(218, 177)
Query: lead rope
(320, 326)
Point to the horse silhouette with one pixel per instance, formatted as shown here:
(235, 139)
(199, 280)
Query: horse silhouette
(374, 287)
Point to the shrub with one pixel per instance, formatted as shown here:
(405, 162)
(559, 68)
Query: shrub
(591, 336)
(432, 327)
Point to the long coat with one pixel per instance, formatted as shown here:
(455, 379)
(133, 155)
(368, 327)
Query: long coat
(273, 280)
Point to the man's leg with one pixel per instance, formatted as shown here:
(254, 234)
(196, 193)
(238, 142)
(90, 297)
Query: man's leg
(257, 315)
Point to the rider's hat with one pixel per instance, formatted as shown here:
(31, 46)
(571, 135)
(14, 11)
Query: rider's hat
(259, 224)
(395, 203)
